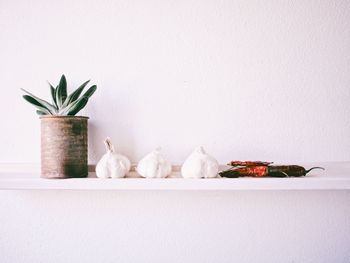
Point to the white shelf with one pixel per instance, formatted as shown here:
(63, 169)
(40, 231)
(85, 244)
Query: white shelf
(336, 177)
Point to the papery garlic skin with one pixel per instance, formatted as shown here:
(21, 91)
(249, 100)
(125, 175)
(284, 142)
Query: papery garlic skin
(200, 165)
(112, 165)
(154, 165)
(102, 167)
(120, 166)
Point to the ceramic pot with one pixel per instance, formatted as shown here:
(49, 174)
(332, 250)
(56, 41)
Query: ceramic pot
(64, 146)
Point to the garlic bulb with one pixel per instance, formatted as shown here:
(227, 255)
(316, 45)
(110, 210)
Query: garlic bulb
(154, 165)
(200, 165)
(112, 165)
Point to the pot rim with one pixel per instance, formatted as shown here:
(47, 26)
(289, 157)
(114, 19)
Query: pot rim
(62, 117)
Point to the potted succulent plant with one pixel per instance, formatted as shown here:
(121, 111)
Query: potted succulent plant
(64, 136)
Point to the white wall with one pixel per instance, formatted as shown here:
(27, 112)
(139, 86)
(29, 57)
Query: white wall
(247, 79)
(262, 80)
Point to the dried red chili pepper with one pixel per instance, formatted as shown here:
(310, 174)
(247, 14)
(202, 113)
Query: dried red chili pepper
(289, 170)
(255, 171)
(272, 171)
(249, 163)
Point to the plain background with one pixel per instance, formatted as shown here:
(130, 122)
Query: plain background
(264, 80)
(246, 79)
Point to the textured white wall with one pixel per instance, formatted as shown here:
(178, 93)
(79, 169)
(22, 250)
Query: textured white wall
(247, 79)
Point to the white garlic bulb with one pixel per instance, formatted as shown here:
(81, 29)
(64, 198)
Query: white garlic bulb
(154, 165)
(112, 165)
(200, 165)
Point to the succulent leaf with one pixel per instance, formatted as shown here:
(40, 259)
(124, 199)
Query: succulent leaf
(77, 106)
(41, 113)
(43, 103)
(53, 95)
(75, 94)
(37, 104)
(61, 91)
(90, 91)
(84, 84)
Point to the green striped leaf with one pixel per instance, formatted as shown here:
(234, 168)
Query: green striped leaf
(75, 94)
(77, 106)
(40, 113)
(37, 104)
(43, 103)
(61, 91)
(53, 95)
(90, 91)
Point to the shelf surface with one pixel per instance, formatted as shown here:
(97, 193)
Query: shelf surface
(335, 177)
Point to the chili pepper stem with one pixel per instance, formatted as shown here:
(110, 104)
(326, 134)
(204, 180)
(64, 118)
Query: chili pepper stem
(314, 168)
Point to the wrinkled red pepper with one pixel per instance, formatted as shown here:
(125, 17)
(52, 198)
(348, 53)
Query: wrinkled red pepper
(265, 170)
(249, 163)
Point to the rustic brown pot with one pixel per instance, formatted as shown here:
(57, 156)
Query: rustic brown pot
(64, 146)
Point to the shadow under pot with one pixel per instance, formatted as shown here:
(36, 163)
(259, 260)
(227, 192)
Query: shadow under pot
(64, 146)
